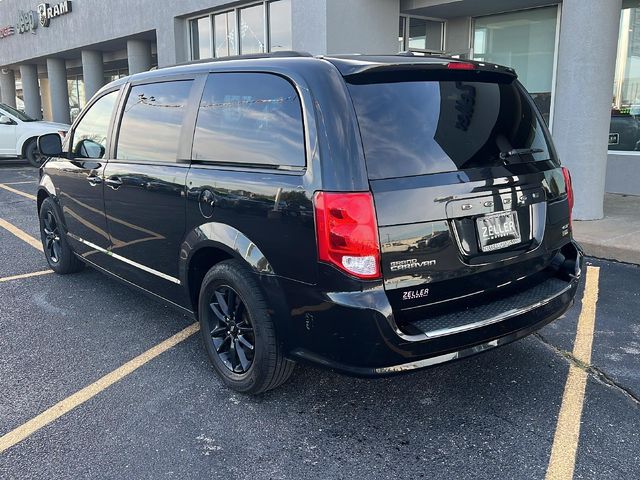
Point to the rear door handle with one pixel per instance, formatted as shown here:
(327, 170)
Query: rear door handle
(94, 180)
(113, 182)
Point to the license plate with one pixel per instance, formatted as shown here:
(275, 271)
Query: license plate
(498, 231)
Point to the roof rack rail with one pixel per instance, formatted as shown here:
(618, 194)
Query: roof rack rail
(410, 53)
(250, 56)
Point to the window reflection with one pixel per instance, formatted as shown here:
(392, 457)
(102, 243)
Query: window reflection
(247, 38)
(425, 34)
(401, 25)
(90, 136)
(432, 127)
(249, 118)
(252, 30)
(75, 86)
(624, 131)
(152, 119)
(225, 34)
(280, 25)
(201, 38)
(523, 40)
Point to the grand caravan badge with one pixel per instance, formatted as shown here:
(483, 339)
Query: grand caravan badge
(410, 264)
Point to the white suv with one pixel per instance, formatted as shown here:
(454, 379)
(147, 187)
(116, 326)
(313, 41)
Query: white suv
(19, 132)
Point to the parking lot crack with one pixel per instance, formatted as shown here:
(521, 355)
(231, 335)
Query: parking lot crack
(594, 372)
(519, 426)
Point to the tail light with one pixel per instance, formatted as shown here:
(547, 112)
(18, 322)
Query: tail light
(567, 181)
(460, 66)
(347, 233)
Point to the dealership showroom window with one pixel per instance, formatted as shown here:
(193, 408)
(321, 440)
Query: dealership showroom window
(216, 35)
(625, 112)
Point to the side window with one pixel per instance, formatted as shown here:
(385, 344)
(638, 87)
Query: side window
(250, 118)
(90, 135)
(151, 122)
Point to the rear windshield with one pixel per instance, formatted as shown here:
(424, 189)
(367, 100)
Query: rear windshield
(422, 127)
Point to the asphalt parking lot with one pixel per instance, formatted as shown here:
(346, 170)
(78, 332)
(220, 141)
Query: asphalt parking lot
(565, 401)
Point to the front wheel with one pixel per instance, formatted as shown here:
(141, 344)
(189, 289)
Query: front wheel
(33, 156)
(238, 331)
(57, 251)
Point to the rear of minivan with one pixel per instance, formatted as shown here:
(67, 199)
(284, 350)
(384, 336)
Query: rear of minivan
(466, 225)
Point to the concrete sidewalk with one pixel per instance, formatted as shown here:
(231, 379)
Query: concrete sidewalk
(617, 235)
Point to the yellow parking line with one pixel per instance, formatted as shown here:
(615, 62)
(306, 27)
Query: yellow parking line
(20, 183)
(18, 192)
(51, 414)
(25, 275)
(21, 234)
(565, 442)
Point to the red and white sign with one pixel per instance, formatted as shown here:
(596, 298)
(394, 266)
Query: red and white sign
(7, 31)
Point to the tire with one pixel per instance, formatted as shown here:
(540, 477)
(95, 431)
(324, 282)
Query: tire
(57, 251)
(32, 154)
(228, 334)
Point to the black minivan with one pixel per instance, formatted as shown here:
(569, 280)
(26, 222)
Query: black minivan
(370, 214)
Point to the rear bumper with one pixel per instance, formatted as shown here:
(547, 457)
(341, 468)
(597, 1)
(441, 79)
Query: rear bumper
(355, 332)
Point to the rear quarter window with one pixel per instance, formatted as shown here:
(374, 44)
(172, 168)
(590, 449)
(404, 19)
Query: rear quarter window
(251, 119)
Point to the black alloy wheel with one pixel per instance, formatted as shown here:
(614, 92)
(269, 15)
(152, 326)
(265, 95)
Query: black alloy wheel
(57, 250)
(232, 333)
(52, 245)
(238, 330)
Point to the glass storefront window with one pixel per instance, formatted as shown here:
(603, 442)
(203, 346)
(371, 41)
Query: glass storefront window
(524, 40)
(401, 25)
(624, 130)
(280, 25)
(225, 34)
(425, 34)
(75, 86)
(252, 30)
(201, 38)
(112, 75)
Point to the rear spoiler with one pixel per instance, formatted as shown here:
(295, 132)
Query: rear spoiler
(447, 70)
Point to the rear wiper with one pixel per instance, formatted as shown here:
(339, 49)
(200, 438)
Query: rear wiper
(519, 151)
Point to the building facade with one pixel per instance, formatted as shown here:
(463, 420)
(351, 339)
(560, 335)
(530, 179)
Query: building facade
(580, 59)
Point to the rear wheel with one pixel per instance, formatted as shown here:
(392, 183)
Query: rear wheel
(238, 331)
(32, 154)
(57, 251)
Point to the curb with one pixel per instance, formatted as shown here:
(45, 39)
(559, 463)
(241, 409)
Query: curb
(610, 252)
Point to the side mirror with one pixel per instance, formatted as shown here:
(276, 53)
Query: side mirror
(50, 145)
(4, 120)
(87, 148)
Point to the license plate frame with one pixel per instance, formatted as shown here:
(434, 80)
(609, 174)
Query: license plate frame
(498, 231)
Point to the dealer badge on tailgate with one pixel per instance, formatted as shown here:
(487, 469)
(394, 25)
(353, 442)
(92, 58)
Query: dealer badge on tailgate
(498, 231)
